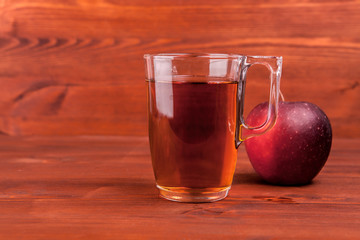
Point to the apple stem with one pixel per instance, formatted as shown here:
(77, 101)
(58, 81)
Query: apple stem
(281, 96)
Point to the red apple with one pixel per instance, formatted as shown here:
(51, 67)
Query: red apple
(294, 151)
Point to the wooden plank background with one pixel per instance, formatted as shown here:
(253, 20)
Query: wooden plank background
(71, 67)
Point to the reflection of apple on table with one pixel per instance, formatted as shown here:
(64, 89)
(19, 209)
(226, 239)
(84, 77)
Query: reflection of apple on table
(294, 151)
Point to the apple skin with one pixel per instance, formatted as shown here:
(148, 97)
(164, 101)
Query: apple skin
(294, 151)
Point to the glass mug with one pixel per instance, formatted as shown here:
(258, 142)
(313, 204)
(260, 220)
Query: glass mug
(196, 124)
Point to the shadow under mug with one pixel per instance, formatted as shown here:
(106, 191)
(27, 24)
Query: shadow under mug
(195, 112)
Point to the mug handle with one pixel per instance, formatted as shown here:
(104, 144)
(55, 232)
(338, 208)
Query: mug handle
(274, 64)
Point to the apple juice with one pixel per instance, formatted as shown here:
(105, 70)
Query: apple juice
(192, 132)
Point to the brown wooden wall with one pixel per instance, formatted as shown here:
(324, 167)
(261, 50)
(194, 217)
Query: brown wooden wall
(71, 67)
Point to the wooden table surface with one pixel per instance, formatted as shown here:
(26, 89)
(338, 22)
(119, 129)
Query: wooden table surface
(103, 188)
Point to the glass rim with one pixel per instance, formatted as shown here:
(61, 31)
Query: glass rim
(203, 55)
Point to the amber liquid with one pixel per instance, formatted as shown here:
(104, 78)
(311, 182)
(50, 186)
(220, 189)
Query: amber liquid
(191, 133)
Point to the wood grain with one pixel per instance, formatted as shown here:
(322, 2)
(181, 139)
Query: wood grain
(72, 67)
(103, 188)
